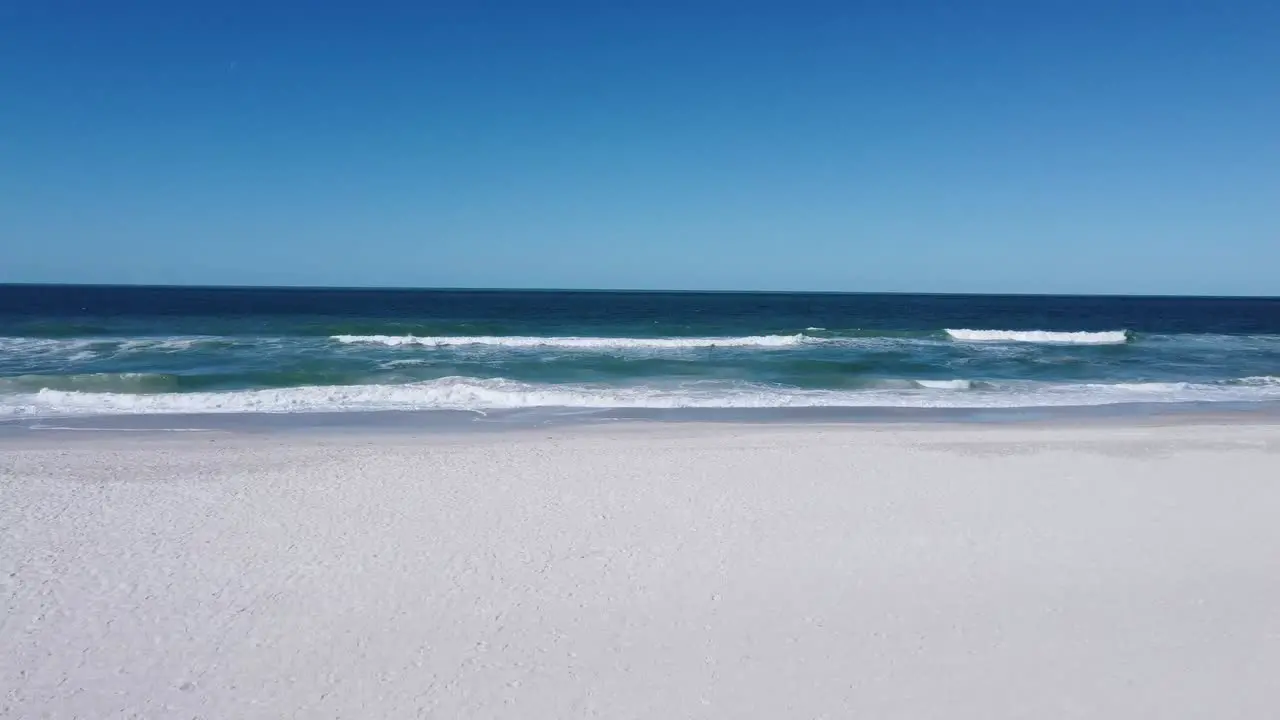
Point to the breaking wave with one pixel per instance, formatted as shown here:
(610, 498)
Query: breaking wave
(79, 349)
(464, 393)
(1109, 337)
(579, 343)
(91, 383)
(945, 384)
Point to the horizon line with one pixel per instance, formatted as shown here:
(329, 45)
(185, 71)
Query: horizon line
(634, 291)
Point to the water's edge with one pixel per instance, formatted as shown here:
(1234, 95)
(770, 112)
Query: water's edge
(463, 421)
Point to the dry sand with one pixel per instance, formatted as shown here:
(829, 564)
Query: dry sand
(667, 571)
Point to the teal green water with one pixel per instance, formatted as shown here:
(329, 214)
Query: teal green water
(85, 350)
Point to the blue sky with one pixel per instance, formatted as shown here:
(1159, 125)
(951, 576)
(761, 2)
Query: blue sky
(1064, 146)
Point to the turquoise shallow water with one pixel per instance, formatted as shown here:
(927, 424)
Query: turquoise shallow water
(90, 350)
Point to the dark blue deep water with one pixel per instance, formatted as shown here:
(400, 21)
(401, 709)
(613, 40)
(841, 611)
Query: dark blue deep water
(68, 350)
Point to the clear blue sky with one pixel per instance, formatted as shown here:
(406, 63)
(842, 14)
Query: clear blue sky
(1020, 146)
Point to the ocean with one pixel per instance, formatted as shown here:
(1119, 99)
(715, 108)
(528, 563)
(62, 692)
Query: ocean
(94, 351)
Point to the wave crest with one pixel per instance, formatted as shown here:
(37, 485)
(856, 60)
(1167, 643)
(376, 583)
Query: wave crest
(126, 382)
(945, 384)
(577, 343)
(89, 348)
(1108, 337)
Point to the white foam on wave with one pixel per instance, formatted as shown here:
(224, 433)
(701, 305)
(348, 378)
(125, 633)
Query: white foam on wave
(1155, 387)
(460, 393)
(44, 346)
(89, 348)
(578, 343)
(168, 344)
(1109, 337)
(1260, 381)
(127, 382)
(945, 384)
(406, 362)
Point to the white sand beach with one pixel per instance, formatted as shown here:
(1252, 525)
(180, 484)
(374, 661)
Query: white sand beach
(644, 571)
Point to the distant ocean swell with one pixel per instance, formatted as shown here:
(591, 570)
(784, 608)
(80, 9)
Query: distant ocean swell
(42, 355)
(1112, 337)
(580, 343)
(465, 333)
(105, 346)
(1109, 337)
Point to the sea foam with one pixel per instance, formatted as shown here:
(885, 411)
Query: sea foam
(480, 394)
(578, 343)
(88, 348)
(1109, 337)
(944, 384)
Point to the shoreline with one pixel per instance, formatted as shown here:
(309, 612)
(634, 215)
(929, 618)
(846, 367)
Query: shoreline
(570, 420)
(1202, 433)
